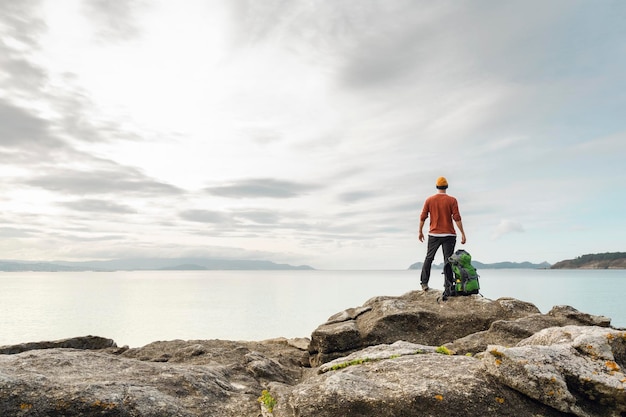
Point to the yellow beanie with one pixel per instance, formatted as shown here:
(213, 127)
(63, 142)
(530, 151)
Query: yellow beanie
(442, 183)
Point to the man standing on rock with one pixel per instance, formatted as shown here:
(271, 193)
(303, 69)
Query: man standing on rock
(443, 209)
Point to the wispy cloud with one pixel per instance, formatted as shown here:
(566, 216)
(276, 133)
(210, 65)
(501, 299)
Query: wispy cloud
(122, 181)
(21, 29)
(261, 188)
(23, 130)
(506, 227)
(98, 206)
(355, 196)
(205, 216)
(16, 232)
(259, 216)
(114, 21)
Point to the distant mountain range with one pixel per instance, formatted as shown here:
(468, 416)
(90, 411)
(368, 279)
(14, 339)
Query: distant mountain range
(148, 264)
(615, 260)
(608, 260)
(497, 265)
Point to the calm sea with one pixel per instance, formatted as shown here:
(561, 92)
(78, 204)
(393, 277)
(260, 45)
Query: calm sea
(136, 308)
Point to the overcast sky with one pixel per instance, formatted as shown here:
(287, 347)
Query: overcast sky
(310, 132)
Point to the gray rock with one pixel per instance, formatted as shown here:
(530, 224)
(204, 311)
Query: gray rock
(84, 342)
(246, 363)
(175, 378)
(584, 319)
(411, 385)
(301, 343)
(64, 382)
(375, 353)
(415, 317)
(510, 332)
(349, 314)
(264, 368)
(573, 369)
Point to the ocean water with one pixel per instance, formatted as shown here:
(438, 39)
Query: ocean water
(139, 307)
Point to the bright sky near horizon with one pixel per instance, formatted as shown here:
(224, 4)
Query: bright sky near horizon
(308, 131)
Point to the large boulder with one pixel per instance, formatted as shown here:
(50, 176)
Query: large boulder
(573, 369)
(408, 380)
(510, 332)
(65, 382)
(82, 342)
(291, 353)
(417, 317)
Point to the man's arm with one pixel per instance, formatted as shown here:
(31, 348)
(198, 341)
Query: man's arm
(459, 224)
(421, 234)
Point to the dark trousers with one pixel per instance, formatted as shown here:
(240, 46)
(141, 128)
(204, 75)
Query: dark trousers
(434, 242)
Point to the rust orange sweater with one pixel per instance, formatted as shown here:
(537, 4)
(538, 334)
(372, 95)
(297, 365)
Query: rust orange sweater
(443, 209)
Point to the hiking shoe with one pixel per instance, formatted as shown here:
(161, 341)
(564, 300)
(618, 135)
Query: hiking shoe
(425, 287)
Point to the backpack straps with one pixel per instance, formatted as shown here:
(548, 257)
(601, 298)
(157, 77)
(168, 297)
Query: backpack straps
(464, 277)
(448, 286)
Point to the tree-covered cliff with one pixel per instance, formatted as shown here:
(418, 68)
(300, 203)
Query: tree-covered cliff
(611, 260)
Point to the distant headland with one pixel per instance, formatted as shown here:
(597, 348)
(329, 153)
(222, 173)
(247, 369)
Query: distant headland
(609, 260)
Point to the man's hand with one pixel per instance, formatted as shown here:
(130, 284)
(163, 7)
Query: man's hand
(421, 236)
(459, 224)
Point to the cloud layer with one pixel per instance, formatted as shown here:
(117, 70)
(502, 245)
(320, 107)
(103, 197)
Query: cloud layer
(310, 132)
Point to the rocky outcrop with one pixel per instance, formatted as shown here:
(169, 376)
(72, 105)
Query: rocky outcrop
(85, 343)
(407, 381)
(560, 371)
(394, 356)
(573, 369)
(510, 332)
(416, 317)
(174, 378)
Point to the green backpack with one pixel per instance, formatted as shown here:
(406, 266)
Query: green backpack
(461, 277)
